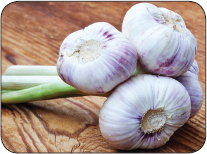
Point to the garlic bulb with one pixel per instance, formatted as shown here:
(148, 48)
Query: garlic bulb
(190, 81)
(96, 59)
(164, 45)
(144, 112)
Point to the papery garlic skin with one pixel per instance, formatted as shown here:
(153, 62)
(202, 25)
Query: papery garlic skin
(121, 117)
(96, 59)
(164, 45)
(194, 68)
(190, 81)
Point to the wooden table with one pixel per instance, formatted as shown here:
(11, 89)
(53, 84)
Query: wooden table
(32, 33)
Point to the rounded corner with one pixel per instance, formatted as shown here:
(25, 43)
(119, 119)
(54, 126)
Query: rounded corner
(202, 148)
(200, 6)
(6, 6)
(5, 148)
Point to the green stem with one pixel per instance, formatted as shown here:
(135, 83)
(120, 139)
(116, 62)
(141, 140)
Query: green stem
(23, 82)
(31, 70)
(43, 92)
(7, 91)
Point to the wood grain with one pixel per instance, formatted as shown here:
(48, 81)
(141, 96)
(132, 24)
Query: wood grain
(32, 33)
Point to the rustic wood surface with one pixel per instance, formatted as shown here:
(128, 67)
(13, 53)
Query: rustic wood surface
(32, 33)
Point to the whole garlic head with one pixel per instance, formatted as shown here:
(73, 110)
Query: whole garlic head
(190, 81)
(144, 112)
(96, 59)
(164, 45)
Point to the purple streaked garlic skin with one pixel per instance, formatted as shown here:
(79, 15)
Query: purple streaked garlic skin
(96, 59)
(164, 45)
(190, 81)
(144, 112)
(194, 68)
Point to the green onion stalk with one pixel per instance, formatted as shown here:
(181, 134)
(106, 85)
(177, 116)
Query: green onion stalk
(25, 83)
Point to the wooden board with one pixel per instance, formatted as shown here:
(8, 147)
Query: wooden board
(32, 33)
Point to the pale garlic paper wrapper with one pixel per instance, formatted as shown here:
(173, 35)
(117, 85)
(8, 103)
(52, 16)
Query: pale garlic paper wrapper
(96, 59)
(146, 117)
(164, 45)
(190, 81)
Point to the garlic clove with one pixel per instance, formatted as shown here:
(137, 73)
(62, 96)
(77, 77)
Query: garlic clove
(194, 68)
(144, 112)
(96, 59)
(164, 45)
(190, 81)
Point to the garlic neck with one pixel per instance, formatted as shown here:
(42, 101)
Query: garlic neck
(173, 20)
(153, 121)
(88, 51)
